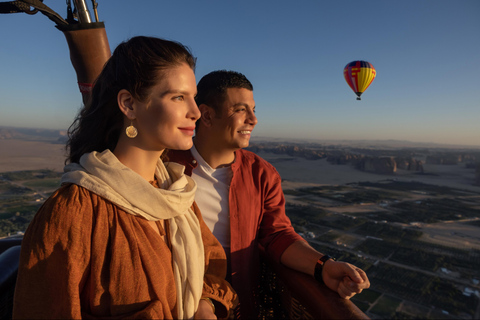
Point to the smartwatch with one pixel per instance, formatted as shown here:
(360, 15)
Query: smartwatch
(319, 267)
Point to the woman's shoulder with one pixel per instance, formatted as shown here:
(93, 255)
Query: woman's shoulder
(68, 205)
(73, 196)
(67, 217)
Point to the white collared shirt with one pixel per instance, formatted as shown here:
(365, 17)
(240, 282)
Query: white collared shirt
(212, 197)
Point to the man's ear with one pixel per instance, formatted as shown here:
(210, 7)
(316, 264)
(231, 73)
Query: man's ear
(207, 114)
(126, 104)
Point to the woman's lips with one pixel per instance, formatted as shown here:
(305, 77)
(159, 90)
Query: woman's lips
(188, 130)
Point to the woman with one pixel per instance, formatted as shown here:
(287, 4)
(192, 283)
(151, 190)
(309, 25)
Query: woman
(122, 236)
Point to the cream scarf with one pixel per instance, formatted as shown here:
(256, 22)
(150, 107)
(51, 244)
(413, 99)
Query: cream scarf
(104, 175)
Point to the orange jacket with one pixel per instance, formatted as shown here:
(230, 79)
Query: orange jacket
(84, 257)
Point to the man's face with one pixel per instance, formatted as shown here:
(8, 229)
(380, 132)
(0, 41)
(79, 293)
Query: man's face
(234, 125)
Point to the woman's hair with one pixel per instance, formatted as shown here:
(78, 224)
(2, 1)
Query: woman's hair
(136, 66)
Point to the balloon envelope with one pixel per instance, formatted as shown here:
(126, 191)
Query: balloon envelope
(359, 75)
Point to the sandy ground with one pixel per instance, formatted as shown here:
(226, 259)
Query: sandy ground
(452, 234)
(301, 172)
(296, 172)
(17, 155)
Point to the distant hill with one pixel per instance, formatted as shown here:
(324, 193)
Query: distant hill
(60, 136)
(374, 144)
(32, 134)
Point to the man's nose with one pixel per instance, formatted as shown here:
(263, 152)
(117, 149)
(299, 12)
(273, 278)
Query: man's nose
(252, 118)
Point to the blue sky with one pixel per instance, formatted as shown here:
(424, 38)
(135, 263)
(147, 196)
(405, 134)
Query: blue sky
(426, 53)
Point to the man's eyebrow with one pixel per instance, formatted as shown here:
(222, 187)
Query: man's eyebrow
(241, 104)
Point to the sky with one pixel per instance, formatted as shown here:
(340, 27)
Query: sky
(426, 54)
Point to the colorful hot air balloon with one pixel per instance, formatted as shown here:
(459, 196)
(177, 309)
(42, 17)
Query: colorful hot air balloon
(359, 75)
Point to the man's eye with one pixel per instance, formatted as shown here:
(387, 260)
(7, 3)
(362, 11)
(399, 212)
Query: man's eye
(241, 109)
(178, 98)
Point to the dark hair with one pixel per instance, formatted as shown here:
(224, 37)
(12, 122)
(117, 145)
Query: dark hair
(212, 88)
(133, 66)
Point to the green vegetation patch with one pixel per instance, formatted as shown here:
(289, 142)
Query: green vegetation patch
(323, 189)
(410, 309)
(473, 223)
(6, 215)
(362, 305)
(9, 191)
(44, 184)
(435, 210)
(386, 306)
(342, 222)
(349, 195)
(423, 259)
(383, 216)
(303, 215)
(366, 196)
(421, 288)
(348, 240)
(328, 237)
(368, 295)
(7, 227)
(377, 248)
(409, 186)
(466, 261)
(387, 231)
(29, 175)
(404, 316)
(17, 218)
(292, 192)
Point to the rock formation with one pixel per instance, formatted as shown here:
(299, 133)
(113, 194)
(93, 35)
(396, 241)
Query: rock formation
(477, 175)
(381, 165)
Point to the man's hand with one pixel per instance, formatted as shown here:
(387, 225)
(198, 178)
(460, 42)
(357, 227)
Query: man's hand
(204, 311)
(344, 278)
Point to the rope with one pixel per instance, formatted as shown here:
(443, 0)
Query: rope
(15, 7)
(25, 5)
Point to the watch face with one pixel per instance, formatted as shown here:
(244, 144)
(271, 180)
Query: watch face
(324, 258)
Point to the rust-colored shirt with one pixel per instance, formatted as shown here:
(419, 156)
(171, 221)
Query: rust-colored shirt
(84, 257)
(257, 217)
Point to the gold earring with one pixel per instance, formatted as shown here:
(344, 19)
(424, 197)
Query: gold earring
(131, 131)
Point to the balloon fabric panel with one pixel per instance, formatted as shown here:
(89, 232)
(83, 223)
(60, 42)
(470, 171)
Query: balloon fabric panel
(359, 75)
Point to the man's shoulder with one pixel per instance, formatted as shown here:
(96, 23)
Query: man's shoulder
(252, 159)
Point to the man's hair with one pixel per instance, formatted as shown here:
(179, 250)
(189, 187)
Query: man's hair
(212, 88)
(136, 65)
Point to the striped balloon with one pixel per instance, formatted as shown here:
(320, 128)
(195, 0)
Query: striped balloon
(359, 75)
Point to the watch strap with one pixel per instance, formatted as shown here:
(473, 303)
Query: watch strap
(319, 267)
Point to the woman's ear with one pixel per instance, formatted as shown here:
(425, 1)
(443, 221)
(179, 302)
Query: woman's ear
(207, 114)
(125, 103)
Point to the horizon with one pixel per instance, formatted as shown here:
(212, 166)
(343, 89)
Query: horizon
(257, 139)
(294, 55)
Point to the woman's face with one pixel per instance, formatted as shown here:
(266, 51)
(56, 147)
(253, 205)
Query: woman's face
(167, 119)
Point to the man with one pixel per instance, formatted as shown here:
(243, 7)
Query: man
(240, 194)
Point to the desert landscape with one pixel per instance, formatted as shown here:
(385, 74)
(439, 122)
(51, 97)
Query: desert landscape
(321, 172)
(373, 220)
(18, 155)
